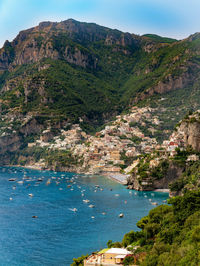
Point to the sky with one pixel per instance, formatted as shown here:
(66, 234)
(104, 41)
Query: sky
(171, 18)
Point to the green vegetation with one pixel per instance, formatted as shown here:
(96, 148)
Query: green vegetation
(159, 39)
(56, 159)
(151, 166)
(160, 171)
(190, 177)
(79, 261)
(169, 234)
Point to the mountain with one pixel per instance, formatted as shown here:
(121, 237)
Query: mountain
(56, 75)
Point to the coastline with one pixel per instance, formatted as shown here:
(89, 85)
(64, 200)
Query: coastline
(165, 190)
(116, 177)
(119, 178)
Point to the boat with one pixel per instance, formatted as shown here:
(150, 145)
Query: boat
(154, 203)
(91, 206)
(12, 179)
(86, 201)
(30, 195)
(121, 215)
(74, 209)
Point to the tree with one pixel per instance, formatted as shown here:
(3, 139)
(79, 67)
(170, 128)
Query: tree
(79, 261)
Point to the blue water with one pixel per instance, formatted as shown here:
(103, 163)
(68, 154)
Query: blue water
(59, 234)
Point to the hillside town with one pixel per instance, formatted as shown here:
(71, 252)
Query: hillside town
(108, 151)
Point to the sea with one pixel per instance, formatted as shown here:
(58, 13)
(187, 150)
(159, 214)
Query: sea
(46, 217)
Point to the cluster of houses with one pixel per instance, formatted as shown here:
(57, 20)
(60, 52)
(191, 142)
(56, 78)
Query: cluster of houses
(107, 151)
(104, 153)
(175, 141)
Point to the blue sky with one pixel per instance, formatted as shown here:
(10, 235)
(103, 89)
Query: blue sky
(173, 18)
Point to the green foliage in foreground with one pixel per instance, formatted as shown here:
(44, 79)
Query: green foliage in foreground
(170, 235)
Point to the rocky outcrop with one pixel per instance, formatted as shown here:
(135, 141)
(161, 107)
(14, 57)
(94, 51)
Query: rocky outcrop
(147, 184)
(191, 133)
(10, 143)
(168, 84)
(173, 173)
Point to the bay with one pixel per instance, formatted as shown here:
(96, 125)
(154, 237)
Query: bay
(59, 232)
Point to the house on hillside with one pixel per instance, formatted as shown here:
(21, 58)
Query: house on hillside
(109, 256)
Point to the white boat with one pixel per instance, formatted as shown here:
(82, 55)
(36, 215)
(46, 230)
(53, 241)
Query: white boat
(86, 201)
(74, 209)
(30, 195)
(91, 206)
(121, 215)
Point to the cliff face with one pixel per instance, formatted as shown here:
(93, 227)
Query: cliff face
(64, 40)
(150, 182)
(191, 133)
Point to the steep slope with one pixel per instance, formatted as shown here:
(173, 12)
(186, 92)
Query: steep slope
(58, 74)
(71, 69)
